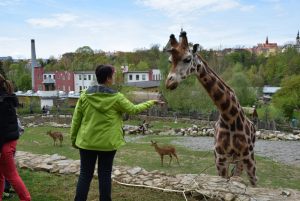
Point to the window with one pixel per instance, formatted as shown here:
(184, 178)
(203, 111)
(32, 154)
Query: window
(49, 76)
(137, 77)
(54, 77)
(80, 88)
(130, 77)
(143, 77)
(90, 77)
(84, 77)
(79, 77)
(45, 76)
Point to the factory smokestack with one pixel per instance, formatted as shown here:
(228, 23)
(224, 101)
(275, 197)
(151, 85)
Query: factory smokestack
(34, 62)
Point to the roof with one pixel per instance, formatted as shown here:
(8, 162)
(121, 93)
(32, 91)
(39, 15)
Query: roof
(136, 72)
(270, 90)
(84, 72)
(144, 84)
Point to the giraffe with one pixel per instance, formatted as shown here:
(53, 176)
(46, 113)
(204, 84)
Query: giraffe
(234, 132)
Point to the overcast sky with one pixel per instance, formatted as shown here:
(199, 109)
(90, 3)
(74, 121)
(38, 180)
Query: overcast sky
(60, 26)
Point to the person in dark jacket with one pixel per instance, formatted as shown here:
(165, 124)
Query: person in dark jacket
(9, 134)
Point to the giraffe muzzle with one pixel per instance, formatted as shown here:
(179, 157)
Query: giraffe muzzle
(171, 85)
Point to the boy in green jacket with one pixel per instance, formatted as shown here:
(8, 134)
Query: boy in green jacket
(97, 131)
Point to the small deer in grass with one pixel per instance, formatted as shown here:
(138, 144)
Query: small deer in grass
(165, 150)
(56, 136)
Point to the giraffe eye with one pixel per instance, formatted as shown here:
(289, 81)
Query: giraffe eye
(187, 60)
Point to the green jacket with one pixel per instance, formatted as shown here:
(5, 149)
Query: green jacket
(97, 120)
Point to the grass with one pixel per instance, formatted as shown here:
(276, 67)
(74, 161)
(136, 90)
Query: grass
(137, 153)
(48, 187)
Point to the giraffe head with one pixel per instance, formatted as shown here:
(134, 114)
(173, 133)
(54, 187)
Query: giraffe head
(183, 61)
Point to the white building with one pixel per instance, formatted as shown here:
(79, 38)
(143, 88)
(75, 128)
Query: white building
(136, 76)
(83, 80)
(142, 76)
(156, 75)
(50, 75)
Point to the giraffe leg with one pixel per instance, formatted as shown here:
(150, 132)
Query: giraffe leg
(249, 163)
(222, 166)
(238, 169)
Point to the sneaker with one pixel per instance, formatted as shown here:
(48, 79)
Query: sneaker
(6, 196)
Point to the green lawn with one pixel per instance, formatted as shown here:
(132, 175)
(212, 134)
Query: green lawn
(137, 153)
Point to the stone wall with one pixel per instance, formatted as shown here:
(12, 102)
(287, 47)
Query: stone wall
(204, 187)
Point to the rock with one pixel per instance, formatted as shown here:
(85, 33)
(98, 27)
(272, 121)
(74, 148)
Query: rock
(285, 193)
(134, 171)
(229, 197)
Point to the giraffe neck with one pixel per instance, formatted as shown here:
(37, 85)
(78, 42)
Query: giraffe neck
(221, 94)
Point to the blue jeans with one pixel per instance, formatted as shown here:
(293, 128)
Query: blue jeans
(87, 166)
(7, 186)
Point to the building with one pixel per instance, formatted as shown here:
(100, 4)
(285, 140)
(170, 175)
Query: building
(265, 48)
(142, 76)
(297, 45)
(268, 92)
(136, 76)
(84, 79)
(64, 81)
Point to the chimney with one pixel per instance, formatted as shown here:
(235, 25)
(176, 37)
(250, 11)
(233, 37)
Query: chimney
(33, 55)
(34, 62)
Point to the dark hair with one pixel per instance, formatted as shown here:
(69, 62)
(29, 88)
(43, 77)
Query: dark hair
(5, 85)
(103, 72)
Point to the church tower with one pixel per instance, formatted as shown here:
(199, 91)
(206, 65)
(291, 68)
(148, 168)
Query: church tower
(297, 46)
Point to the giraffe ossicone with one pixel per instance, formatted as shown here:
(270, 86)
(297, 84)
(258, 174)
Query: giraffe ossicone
(234, 132)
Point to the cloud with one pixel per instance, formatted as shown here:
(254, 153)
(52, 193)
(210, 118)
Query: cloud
(57, 20)
(8, 2)
(173, 8)
(7, 39)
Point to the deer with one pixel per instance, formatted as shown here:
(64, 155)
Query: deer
(56, 136)
(165, 150)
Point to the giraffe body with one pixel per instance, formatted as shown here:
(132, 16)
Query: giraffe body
(234, 132)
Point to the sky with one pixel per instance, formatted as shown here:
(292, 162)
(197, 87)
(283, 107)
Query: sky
(60, 26)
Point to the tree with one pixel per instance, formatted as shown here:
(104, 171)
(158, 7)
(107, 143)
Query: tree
(20, 76)
(2, 72)
(142, 66)
(84, 50)
(243, 90)
(288, 97)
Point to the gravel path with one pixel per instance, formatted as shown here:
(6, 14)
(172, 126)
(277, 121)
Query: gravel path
(287, 152)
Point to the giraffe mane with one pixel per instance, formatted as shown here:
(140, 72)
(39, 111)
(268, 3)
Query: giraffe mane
(211, 71)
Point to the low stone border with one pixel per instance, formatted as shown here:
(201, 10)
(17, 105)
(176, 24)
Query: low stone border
(201, 185)
(194, 131)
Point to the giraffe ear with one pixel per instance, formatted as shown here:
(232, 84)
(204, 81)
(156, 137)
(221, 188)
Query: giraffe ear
(195, 48)
(173, 41)
(184, 41)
